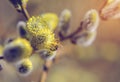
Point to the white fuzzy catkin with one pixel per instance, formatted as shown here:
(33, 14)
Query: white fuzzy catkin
(46, 54)
(64, 21)
(110, 10)
(21, 24)
(24, 62)
(86, 40)
(91, 20)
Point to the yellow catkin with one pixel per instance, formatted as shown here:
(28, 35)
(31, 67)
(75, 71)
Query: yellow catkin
(27, 63)
(22, 45)
(41, 35)
(66, 15)
(24, 67)
(93, 17)
(51, 19)
(34, 24)
(25, 45)
(1, 50)
(24, 1)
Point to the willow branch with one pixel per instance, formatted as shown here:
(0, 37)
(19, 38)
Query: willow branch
(25, 12)
(62, 38)
(46, 67)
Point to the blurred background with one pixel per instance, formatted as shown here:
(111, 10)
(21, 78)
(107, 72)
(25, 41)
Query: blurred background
(99, 62)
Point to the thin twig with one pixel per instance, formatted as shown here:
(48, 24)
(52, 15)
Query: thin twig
(46, 67)
(62, 38)
(25, 12)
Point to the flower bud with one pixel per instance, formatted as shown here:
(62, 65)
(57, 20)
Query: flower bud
(64, 22)
(17, 4)
(21, 26)
(110, 10)
(24, 67)
(16, 50)
(1, 53)
(24, 2)
(1, 50)
(47, 54)
(41, 37)
(85, 38)
(91, 20)
(51, 19)
(65, 15)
